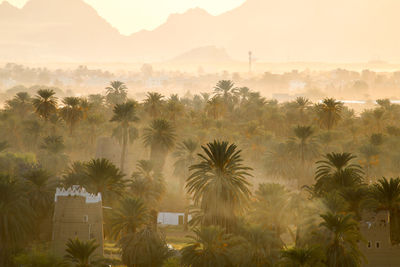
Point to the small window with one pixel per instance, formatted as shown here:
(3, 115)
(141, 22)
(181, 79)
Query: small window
(76, 233)
(377, 244)
(85, 218)
(369, 244)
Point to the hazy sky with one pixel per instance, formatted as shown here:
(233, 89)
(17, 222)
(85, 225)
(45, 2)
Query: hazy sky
(133, 15)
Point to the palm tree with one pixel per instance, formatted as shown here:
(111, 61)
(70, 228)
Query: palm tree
(53, 159)
(174, 107)
(72, 112)
(153, 104)
(147, 183)
(185, 157)
(21, 104)
(276, 160)
(160, 137)
(116, 93)
(81, 253)
(104, 177)
(258, 248)
(129, 217)
(45, 103)
(342, 236)
(75, 175)
(302, 257)
(337, 172)
(16, 218)
(40, 192)
(329, 112)
(124, 114)
(219, 184)
(303, 143)
(271, 208)
(225, 88)
(385, 195)
(211, 247)
(215, 107)
(144, 248)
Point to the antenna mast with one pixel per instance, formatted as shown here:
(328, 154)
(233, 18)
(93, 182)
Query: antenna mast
(250, 61)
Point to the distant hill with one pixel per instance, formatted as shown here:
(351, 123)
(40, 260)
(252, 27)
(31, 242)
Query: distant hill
(284, 30)
(206, 54)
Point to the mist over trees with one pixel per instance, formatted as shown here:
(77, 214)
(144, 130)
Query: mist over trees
(266, 183)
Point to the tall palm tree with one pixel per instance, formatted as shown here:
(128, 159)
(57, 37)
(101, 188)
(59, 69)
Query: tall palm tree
(385, 195)
(225, 88)
(153, 104)
(301, 104)
(16, 218)
(45, 103)
(104, 177)
(303, 257)
(215, 107)
(303, 143)
(276, 160)
(71, 112)
(54, 159)
(74, 175)
(160, 137)
(271, 208)
(185, 157)
(129, 217)
(116, 93)
(124, 114)
(40, 192)
(148, 184)
(21, 104)
(304, 146)
(336, 172)
(211, 247)
(329, 112)
(219, 184)
(174, 107)
(81, 253)
(342, 236)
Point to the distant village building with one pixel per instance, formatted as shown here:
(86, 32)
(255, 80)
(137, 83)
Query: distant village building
(156, 82)
(77, 214)
(171, 218)
(377, 247)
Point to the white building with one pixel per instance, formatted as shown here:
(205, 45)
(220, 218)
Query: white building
(171, 218)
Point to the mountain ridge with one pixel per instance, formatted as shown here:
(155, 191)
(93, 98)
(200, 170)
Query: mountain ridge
(347, 31)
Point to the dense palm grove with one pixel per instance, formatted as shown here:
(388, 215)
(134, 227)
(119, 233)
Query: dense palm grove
(266, 183)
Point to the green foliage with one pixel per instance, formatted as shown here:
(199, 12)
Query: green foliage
(144, 248)
(210, 247)
(219, 183)
(39, 258)
(81, 253)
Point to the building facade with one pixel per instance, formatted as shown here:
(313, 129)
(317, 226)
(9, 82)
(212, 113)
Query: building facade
(77, 214)
(376, 247)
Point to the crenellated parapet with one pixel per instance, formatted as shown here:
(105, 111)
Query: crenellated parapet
(77, 190)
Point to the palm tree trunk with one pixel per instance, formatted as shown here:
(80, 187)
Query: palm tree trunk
(124, 145)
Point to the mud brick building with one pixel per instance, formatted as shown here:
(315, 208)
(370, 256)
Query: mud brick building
(77, 214)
